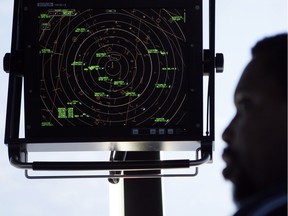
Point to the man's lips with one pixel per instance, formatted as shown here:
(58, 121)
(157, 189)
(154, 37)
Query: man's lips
(229, 159)
(227, 154)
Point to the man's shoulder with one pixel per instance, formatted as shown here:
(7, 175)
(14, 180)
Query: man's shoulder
(275, 205)
(282, 210)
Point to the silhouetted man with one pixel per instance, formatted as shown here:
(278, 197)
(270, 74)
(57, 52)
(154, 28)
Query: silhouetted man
(256, 153)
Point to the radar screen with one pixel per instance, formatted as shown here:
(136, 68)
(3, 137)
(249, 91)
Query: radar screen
(124, 72)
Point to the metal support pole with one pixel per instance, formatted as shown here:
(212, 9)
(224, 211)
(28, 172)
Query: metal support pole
(143, 197)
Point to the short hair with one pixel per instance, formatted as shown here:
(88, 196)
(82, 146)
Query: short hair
(276, 48)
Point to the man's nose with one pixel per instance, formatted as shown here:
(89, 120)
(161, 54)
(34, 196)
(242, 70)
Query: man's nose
(227, 133)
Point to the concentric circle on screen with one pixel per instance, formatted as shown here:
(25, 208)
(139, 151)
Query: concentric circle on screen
(112, 66)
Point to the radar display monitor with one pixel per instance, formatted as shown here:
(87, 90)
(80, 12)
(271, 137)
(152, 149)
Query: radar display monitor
(113, 70)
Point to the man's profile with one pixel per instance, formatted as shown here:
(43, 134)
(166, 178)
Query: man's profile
(256, 153)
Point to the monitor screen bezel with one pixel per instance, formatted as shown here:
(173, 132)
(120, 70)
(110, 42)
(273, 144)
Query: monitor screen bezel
(33, 129)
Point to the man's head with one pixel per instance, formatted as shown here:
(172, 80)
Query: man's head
(256, 155)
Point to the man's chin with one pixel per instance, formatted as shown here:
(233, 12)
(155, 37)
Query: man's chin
(229, 174)
(226, 173)
(241, 187)
(241, 192)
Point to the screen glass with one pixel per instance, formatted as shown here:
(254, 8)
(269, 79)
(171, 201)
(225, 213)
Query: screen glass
(125, 71)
